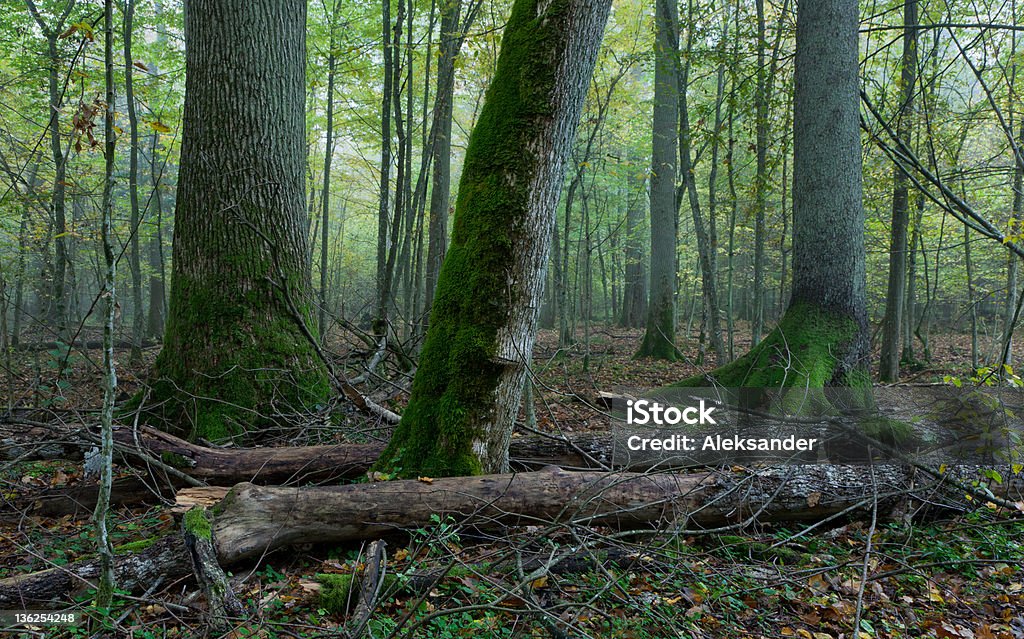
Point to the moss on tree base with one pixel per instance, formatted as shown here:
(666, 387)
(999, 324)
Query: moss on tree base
(808, 349)
(228, 367)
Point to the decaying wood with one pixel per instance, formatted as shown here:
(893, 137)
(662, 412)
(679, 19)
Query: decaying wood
(369, 588)
(222, 604)
(253, 520)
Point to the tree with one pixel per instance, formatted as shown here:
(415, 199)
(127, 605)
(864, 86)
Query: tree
(468, 386)
(52, 33)
(822, 339)
(659, 338)
(892, 329)
(234, 351)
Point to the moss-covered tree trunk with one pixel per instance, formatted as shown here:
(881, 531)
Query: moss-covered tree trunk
(822, 340)
(233, 351)
(483, 321)
(659, 339)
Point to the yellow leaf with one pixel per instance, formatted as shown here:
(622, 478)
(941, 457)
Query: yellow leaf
(160, 127)
(822, 635)
(934, 595)
(539, 583)
(788, 632)
(805, 634)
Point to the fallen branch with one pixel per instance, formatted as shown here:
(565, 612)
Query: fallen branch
(253, 520)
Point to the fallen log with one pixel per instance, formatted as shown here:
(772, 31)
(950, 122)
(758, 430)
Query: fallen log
(253, 520)
(281, 465)
(931, 414)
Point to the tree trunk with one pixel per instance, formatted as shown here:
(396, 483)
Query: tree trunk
(889, 368)
(707, 242)
(135, 223)
(325, 198)
(468, 385)
(1012, 266)
(252, 520)
(441, 132)
(659, 338)
(823, 338)
(154, 253)
(383, 221)
(761, 177)
(234, 353)
(634, 295)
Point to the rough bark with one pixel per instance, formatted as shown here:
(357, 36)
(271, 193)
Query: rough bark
(823, 337)
(234, 355)
(761, 177)
(252, 520)
(659, 338)
(892, 328)
(468, 385)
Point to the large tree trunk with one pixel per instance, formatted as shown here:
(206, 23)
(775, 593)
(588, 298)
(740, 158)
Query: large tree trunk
(467, 389)
(892, 328)
(252, 520)
(823, 338)
(234, 354)
(659, 338)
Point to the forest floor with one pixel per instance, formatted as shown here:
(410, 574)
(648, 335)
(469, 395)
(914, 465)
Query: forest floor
(958, 576)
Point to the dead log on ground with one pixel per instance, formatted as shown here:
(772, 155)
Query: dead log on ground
(254, 520)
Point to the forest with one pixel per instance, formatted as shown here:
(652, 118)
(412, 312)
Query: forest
(511, 318)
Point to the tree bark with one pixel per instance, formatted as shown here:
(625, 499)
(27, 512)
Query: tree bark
(469, 382)
(135, 218)
(235, 355)
(889, 368)
(634, 295)
(659, 338)
(822, 339)
(252, 520)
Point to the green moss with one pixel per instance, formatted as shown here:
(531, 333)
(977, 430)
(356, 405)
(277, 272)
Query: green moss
(891, 432)
(174, 459)
(335, 592)
(135, 546)
(458, 373)
(743, 547)
(224, 504)
(800, 353)
(338, 592)
(196, 522)
(230, 365)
